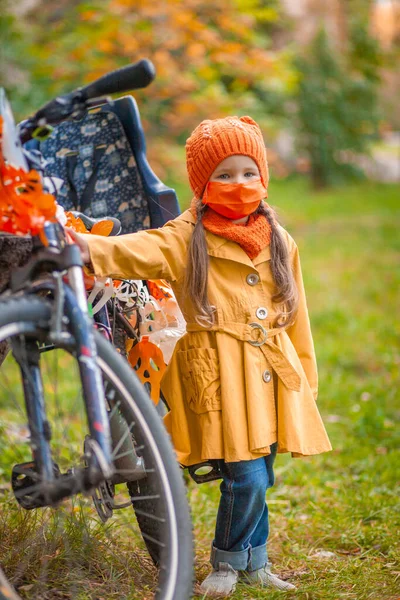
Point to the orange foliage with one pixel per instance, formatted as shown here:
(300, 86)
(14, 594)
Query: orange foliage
(103, 227)
(24, 206)
(75, 223)
(209, 56)
(193, 44)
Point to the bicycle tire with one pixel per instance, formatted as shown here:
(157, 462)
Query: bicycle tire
(175, 558)
(148, 526)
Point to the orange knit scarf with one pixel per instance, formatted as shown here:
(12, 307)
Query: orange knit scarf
(253, 236)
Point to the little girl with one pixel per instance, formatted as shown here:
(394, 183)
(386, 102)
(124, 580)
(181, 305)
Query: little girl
(242, 383)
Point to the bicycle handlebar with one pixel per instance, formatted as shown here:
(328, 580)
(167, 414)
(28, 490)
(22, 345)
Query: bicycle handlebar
(132, 77)
(75, 104)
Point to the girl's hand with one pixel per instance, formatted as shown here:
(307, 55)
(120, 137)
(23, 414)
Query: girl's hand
(82, 244)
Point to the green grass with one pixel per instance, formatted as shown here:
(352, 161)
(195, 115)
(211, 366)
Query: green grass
(345, 501)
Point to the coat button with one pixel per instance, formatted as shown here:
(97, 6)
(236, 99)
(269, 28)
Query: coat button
(261, 312)
(266, 376)
(252, 279)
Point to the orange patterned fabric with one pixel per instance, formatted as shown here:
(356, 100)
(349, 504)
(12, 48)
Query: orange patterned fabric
(214, 140)
(252, 236)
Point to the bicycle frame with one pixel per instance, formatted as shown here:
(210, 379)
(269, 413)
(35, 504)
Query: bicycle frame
(70, 302)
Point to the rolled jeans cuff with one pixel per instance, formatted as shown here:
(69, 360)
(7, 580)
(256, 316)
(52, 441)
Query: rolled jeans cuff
(249, 559)
(258, 558)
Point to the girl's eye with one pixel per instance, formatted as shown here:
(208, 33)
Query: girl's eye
(223, 176)
(249, 174)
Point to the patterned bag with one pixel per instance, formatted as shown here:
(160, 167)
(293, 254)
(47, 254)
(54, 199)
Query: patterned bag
(94, 159)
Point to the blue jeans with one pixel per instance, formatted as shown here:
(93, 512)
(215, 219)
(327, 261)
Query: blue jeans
(242, 522)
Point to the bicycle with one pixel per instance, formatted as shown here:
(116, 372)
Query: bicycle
(94, 434)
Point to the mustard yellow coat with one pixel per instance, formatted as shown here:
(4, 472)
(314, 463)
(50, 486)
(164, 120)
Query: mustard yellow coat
(228, 398)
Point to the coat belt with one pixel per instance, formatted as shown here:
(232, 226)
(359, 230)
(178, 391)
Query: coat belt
(256, 335)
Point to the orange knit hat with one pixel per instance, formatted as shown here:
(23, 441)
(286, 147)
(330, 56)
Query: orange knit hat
(214, 140)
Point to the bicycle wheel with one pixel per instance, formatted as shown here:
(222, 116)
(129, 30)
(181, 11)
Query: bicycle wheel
(80, 548)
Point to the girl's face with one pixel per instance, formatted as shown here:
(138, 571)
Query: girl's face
(236, 169)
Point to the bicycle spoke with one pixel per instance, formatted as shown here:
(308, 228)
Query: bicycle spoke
(149, 516)
(127, 453)
(153, 540)
(145, 498)
(122, 440)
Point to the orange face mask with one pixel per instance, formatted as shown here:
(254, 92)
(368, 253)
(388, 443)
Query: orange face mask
(234, 200)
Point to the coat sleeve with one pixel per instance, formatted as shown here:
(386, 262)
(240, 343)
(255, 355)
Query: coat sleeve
(300, 332)
(150, 254)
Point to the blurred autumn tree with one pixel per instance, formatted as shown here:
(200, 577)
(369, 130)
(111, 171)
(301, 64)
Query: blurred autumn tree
(210, 58)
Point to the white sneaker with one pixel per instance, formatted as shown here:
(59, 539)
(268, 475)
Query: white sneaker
(264, 577)
(220, 582)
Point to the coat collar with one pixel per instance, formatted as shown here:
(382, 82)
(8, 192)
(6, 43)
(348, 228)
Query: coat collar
(221, 248)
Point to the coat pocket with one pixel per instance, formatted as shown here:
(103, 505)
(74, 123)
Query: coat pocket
(201, 379)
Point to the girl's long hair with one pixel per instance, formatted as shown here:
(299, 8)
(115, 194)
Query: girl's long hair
(196, 281)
